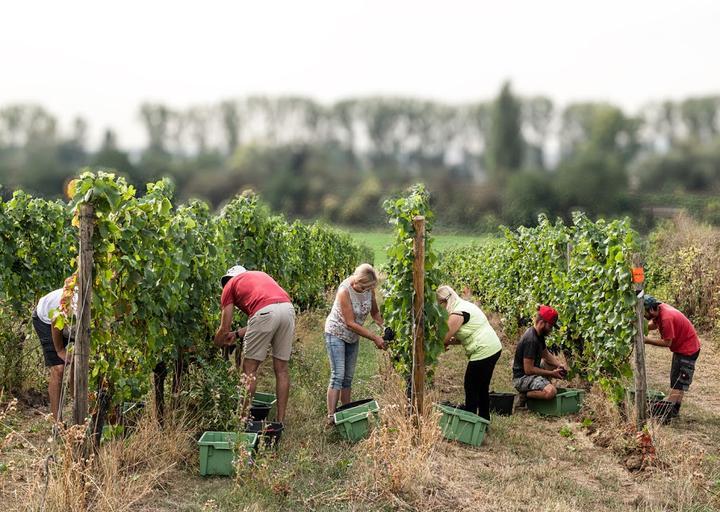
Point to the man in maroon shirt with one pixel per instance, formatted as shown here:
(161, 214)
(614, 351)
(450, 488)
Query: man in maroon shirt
(271, 325)
(678, 334)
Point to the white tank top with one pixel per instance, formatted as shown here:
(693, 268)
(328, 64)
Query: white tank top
(361, 304)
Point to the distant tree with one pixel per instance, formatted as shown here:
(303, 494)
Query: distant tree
(156, 118)
(537, 114)
(527, 194)
(701, 117)
(111, 157)
(506, 144)
(688, 168)
(230, 115)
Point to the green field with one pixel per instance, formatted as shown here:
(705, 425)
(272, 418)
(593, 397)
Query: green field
(379, 240)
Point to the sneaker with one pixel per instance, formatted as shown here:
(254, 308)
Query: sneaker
(521, 401)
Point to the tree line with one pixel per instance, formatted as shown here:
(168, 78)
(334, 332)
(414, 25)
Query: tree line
(502, 160)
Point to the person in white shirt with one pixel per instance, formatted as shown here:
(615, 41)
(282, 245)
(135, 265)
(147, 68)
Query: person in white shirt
(53, 342)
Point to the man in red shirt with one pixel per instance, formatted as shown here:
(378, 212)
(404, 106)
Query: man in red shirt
(271, 325)
(678, 334)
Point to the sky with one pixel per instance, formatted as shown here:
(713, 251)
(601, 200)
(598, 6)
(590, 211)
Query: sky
(101, 59)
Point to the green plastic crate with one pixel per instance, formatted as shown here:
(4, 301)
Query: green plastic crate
(371, 406)
(463, 426)
(567, 401)
(217, 451)
(264, 398)
(353, 428)
(652, 395)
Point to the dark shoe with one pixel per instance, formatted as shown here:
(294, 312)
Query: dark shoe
(675, 410)
(663, 411)
(521, 401)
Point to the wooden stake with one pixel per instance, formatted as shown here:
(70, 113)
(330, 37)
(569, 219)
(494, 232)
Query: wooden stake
(418, 391)
(640, 379)
(82, 343)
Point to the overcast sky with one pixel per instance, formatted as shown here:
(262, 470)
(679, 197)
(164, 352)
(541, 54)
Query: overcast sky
(101, 59)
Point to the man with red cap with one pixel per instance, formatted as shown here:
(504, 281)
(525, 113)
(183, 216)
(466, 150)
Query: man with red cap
(534, 365)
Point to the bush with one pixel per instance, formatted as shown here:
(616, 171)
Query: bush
(684, 269)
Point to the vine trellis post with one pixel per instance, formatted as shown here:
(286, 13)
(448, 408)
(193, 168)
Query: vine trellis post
(82, 343)
(418, 387)
(640, 379)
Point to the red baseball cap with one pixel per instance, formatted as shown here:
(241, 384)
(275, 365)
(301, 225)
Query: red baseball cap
(550, 315)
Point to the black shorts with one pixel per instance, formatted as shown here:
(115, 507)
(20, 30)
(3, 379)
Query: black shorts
(682, 371)
(44, 332)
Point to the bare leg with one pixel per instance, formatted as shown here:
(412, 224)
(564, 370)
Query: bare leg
(282, 386)
(676, 395)
(333, 395)
(249, 369)
(71, 388)
(345, 395)
(548, 393)
(54, 386)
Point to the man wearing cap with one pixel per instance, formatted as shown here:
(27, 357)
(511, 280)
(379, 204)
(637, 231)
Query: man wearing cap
(271, 325)
(677, 334)
(531, 376)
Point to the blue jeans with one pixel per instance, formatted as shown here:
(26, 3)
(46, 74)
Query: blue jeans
(343, 358)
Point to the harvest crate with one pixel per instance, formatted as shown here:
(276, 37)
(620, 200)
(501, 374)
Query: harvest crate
(567, 401)
(463, 426)
(217, 451)
(353, 423)
(652, 395)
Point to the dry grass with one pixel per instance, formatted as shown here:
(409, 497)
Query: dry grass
(395, 463)
(122, 475)
(526, 462)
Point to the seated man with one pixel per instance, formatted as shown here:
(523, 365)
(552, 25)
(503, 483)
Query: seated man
(677, 334)
(531, 376)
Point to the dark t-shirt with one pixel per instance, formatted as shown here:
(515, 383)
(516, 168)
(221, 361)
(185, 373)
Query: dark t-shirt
(530, 346)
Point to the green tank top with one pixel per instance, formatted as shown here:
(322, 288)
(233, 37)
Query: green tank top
(477, 336)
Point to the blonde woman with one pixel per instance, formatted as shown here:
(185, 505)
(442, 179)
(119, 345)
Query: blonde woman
(355, 299)
(468, 326)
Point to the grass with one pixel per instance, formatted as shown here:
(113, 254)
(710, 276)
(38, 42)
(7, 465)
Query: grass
(379, 240)
(526, 463)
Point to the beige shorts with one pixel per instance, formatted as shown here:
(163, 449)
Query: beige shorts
(272, 326)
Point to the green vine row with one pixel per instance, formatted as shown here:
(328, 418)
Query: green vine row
(156, 267)
(398, 287)
(582, 269)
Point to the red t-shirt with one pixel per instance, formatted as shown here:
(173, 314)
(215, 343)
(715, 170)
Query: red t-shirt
(251, 291)
(675, 326)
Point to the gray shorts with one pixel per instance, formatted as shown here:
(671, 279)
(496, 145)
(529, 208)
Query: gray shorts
(682, 371)
(530, 383)
(271, 327)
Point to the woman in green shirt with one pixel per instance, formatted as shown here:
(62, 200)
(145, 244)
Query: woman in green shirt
(468, 326)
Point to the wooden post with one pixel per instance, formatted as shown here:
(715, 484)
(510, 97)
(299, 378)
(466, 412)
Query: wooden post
(82, 342)
(640, 380)
(418, 390)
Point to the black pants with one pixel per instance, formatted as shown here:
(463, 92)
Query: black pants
(477, 385)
